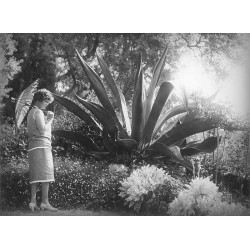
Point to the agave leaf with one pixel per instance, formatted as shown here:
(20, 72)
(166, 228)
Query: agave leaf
(192, 143)
(82, 139)
(162, 96)
(97, 85)
(117, 93)
(207, 146)
(109, 144)
(127, 144)
(186, 129)
(157, 72)
(123, 133)
(138, 108)
(172, 152)
(102, 115)
(190, 151)
(170, 125)
(75, 109)
(180, 143)
(187, 164)
(155, 80)
(171, 113)
(139, 68)
(184, 97)
(189, 116)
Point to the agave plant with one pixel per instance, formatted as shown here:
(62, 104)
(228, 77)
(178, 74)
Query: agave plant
(144, 134)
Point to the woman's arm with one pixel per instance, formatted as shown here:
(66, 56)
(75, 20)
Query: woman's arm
(43, 125)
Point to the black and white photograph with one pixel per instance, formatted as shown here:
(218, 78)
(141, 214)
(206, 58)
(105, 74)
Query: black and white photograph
(138, 126)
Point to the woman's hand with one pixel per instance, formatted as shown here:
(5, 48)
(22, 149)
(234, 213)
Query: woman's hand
(50, 115)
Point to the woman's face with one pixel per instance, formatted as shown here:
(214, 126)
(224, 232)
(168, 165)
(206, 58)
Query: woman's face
(43, 104)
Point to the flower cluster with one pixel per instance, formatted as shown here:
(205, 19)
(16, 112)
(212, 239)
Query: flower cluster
(143, 184)
(201, 197)
(224, 208)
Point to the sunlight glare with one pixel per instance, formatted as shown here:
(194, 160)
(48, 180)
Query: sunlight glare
(192, 75)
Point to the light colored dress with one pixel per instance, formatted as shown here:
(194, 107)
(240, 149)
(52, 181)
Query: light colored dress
(41, 166)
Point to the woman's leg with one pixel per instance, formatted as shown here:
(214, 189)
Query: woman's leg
(33, 192)
(45, 192)
(45, 200)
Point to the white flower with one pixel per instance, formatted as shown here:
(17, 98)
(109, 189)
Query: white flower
(202, 198)
(141, 182)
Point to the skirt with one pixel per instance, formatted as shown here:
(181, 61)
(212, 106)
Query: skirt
(41, 167)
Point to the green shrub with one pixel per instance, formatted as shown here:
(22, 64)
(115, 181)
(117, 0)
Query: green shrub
(78, 183)
(149, 190)
(201, 197)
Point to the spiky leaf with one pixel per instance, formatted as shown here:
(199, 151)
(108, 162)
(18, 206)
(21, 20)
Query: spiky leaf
(162, 96)
(173, 153)
(97, 85)
(75, 109)
(207, 146)
(116, 92)
(155, 80)
(138, 108)
(127, 144)
(82, 139)
(102, 115)
(186, 129)
(171, 113)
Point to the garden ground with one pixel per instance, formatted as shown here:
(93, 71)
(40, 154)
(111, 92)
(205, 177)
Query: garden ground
(60, 212)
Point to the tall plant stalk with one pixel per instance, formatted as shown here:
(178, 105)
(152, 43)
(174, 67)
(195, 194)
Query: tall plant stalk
(217, 160)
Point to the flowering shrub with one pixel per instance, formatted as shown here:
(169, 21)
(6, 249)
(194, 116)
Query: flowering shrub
(224, 208)
(148, 188)
(85, 183)
(202, 198)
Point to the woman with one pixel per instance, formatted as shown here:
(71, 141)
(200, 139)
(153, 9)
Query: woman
(39, 150)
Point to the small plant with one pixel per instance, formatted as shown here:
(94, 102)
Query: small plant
(144, 186)
(202, 198)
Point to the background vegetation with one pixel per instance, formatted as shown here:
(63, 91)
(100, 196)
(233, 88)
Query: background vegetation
(52, 58)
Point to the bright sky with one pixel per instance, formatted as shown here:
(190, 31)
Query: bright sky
(194, 78)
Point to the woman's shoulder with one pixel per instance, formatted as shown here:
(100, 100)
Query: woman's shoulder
(35, 112)
(38, 112)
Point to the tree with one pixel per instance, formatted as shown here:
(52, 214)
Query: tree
(9, 66)
(52, 58)
(37, 63)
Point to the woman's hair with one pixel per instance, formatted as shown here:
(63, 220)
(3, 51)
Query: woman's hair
(42, 95)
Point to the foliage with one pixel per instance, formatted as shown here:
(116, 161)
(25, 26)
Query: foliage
(12, 145)
(78, 183)
(222, 115)
(38, 62)
(9, 66)
(70, 122)
(224, 208)
(148, 188)
(201, 197)
(141, 135)
(51, 57)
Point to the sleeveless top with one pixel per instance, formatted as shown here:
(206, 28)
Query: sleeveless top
(36, 139)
